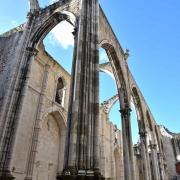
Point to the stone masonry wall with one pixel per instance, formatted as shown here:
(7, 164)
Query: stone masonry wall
(7, 61)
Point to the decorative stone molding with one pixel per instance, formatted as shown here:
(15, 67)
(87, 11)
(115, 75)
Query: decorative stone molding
(107, 105)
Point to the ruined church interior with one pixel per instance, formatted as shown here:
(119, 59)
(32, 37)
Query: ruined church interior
(52, 123)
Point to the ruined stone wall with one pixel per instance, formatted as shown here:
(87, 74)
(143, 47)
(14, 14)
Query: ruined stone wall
(169, 154)
(111, 148)
(39, 106)
(39, 103)
(8, 61)
(41, 121)
(171, 148)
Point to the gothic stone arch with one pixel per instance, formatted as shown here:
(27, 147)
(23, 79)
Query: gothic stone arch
(40, 22)
(50, 147)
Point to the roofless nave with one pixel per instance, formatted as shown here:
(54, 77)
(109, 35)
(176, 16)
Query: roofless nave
(43, 136)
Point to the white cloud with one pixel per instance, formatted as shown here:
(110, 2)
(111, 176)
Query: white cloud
(62, 35)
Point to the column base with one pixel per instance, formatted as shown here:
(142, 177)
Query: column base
(6, 175)
(81, 175)
(69, 177)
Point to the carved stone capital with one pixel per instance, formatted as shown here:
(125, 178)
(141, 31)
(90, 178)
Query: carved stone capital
(126, 111)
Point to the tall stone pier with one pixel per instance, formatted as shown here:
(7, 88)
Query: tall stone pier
(82, 151)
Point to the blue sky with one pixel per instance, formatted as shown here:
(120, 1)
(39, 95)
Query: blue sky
(151, 30)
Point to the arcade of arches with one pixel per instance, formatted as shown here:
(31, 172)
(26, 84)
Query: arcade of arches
(52, 125)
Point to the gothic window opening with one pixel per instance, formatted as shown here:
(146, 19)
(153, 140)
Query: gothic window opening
(108, 99)
(60, 92)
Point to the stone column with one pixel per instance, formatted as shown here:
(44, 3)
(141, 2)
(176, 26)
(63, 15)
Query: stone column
(127, 144)
(144, 154)
(82, 142)
(154, 159)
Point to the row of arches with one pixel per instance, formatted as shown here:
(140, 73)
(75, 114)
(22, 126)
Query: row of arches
(148, 135)
(134, 93)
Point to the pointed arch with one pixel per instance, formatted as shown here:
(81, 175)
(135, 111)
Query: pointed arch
(60, 91)
(139, 109)
(47, 24)
(51, 144)
(118, 73)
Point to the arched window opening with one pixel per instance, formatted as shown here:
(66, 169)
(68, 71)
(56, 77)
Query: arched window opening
(138, 115)
(108, 97)
(59, 43)
(46, 164)
(55, 47)
(60, 92)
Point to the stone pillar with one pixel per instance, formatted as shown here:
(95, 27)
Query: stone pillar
(161, 165)
(127, 144)
(144, 155)
(82, 142)
(154, 158)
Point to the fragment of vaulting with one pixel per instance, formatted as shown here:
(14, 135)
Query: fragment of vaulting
(46, 19)
(107, 68)
(108, 104)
